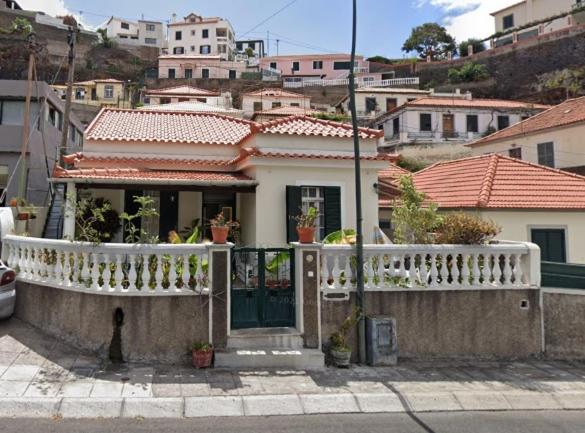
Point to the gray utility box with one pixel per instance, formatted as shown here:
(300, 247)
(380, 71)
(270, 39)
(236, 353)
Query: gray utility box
(382, 347)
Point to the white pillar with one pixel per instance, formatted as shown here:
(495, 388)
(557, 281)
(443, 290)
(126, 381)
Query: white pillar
(70, 207)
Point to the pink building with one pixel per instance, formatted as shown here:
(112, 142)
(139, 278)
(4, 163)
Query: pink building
(316, 66)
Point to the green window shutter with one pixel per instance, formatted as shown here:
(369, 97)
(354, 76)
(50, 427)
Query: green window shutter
(332, 195)
(293, 208)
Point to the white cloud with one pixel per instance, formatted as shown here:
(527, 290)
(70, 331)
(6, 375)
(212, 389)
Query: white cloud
(50, 7)
(468, 18)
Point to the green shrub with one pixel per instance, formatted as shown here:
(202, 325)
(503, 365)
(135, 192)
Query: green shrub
(464, 229)
(468, 73)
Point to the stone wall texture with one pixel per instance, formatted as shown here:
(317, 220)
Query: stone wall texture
(564, 326)
(155, 328)
(484, 324)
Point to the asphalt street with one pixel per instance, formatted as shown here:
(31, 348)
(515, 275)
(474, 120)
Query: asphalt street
(460, 422)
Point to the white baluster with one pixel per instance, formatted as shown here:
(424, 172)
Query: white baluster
(423, 270)
(465, 269)
(59, 267)
(106, 274)
(518, 271)
(336, 273)
(34, 265)
(199, 277)
(476, 270)
(486, 272)
(95, 272)
(497, 271)
(145, 273)
(444, 270)
(132, 275)
(401, 266)
(159, 275)
(347, 273)
(85, 275)
(370, 284)
(324, 273)
(434, 271)
(381, 271)
(27, 263)
(76, 270)
(455, 273)
(186, 272)
(507, 270)
(173, 273)
(119, 274)
(22, 261)
(66, 268)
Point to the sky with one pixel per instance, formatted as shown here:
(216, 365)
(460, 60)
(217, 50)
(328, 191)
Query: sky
(303, 26)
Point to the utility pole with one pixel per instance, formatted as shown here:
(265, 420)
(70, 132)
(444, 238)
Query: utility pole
(71, 39)
(31, 44)
(358, 197)
(268, 42)
(277, 46)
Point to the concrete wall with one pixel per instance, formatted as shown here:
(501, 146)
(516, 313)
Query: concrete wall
(157, 328)
(567, 143)
(452, 324)
(564, 311)
(268, 101)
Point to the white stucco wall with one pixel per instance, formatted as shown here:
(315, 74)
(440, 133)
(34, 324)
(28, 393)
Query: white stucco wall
(568, 146)
(267, 101)
(532, 10)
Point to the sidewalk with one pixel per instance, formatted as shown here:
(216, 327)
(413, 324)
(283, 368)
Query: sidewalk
(41, 377)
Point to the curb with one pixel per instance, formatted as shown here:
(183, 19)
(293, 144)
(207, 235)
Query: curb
(288, 404)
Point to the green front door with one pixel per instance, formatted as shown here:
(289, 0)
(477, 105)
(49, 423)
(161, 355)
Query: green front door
(262, 292)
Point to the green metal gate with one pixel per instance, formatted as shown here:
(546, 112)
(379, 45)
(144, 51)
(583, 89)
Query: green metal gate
(263, 288)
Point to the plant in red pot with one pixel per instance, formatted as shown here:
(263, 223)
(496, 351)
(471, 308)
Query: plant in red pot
(202, 354)
(220, 228)
(306, 223)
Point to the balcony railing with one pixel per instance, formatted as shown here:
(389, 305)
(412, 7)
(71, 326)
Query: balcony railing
(395, 82)
(431, 267)
(120, 269)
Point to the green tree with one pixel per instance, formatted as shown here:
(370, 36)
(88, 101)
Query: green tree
(468, 73)
(430, 39)
(477, 44)
(414, 218)
(107, 42)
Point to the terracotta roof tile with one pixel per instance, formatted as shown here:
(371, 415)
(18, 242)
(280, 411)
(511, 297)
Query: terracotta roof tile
(285, 111)
(568, 113)
(392, 173)
(80, 160)
(149, 175)
(153, 126)
(499, 182)
(182, 91)
(313, 155)
(276, 92)
(192, 107)
(434, 101)
(302, 125)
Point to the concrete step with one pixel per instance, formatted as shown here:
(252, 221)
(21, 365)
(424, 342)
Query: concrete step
(285, 338)
(300, 359)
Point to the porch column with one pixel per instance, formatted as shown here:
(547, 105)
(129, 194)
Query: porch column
(219, 286)
(308, 293)
(69, 215)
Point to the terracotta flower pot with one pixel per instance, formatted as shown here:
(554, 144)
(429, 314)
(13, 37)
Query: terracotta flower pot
(13, 202)
(219, 234)
(306, 235)
(202, 358)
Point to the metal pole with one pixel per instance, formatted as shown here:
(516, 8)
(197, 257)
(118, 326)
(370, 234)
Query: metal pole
(358, 197)
(26, 120)
(71, 37)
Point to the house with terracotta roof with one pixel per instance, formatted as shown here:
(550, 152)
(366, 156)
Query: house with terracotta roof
(186, 93)
(281, 112)
(438, 126)
(553, 138)
(266, 99)
(201, 66)
(372, 102)
(195, 107)
(196, 165)
(531, 203)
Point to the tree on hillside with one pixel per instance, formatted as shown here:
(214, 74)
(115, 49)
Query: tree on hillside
(430, 39)
(477, 44)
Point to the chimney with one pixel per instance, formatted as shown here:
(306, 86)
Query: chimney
(174, 18)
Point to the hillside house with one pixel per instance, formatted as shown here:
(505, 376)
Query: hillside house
(195, 165)
(553, 138)
(194, 107)
(440, 126)
(266, 99)
(201, 66)
(196, 35)
(140, 33)
(531, 203)
(186, 93)
(281, 112)
(107, 92)
(372, 102)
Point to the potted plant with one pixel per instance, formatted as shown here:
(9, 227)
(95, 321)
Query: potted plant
(202, 354)
(220, 228)
(306, 225)
(339, 349)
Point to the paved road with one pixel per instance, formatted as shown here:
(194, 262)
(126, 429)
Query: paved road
(469, 422)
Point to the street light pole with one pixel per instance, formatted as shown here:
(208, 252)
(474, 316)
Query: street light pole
(358, 196)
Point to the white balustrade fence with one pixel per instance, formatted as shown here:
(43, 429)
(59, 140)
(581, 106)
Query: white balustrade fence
(430, 267)
(394, 82)
(121, 269)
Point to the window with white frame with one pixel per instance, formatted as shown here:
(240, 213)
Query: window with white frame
(150, 27)
(108, 91)
(312, 196)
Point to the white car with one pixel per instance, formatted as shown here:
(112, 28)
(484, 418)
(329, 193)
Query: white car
(7, 291)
